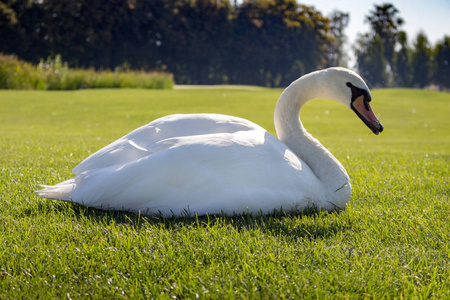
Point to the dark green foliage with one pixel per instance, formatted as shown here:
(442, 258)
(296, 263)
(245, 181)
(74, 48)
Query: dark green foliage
(382, 65)
(421, 61)
(442, 58)
(402, 63)
(200, 41)
(257, 42)
(277, 41)
(385, 23)
(336, 55)
(375, 50)
(371, 61)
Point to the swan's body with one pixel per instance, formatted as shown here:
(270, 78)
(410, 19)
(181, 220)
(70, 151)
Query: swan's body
(209, 163)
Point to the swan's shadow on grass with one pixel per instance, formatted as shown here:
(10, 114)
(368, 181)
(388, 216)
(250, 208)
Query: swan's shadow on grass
(310, 224)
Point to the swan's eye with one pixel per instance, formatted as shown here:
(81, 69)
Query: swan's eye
(358, 92)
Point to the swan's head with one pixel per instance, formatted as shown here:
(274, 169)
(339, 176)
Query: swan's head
(348, 88)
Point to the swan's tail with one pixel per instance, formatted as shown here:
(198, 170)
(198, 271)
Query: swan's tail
(60, 191)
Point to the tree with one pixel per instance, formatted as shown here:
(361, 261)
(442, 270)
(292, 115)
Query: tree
(370, 60)
(421, 61)
(386, 23)
(21, 29)
(442, 59)
(277, 41)
(336, 55)
(263, 42)
(402, 62)
(199, 40)
(8, 25)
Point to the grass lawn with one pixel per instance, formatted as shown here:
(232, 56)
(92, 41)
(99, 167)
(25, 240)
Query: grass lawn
(392, 241)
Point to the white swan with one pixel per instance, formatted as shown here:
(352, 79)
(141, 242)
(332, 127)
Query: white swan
(210, 163)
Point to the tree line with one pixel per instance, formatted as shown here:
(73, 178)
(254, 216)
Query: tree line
(258, 42)
(385, 58)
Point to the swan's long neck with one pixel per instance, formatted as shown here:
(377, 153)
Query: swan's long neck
(290, 130)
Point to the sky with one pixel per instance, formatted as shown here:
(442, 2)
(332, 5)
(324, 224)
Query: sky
(431, 16)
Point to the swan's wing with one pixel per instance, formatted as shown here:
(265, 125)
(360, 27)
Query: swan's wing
(119, 152)
(206, 173)
(146, 140)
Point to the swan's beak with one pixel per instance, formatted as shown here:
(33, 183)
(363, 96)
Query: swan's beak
(362, 108)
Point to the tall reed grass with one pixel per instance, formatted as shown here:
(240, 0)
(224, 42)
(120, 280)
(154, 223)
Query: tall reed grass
(54, 74)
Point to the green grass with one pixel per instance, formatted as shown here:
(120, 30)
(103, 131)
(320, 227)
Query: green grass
(391, 242)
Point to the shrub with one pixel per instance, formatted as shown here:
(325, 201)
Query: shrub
(54, 74)
(17, 74)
